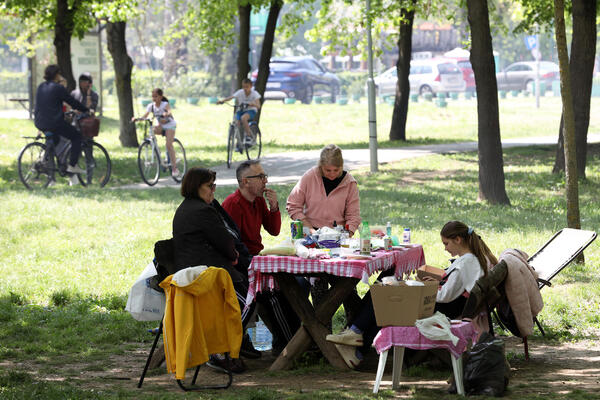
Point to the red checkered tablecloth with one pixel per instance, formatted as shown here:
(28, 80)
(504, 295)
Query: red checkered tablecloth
(262, 267)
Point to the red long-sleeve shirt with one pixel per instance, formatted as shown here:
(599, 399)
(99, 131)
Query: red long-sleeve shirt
(249, 216)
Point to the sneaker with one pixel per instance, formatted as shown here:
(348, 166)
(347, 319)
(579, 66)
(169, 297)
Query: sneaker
(348, 353)
(51, 183)
(74, 169)
(236, 365)
(247, 350)
(175, 173)
(249, 141)
(73, 180)
(347, 337)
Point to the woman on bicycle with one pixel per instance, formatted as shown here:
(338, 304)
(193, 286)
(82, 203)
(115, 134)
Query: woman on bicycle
(165, 123)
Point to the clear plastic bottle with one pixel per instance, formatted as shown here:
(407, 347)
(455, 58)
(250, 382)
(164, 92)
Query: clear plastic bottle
(261, 336)
(365, 239)
(388, 229)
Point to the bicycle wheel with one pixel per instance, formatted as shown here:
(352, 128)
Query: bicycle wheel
(230, 145)
(180, 160)
(33, 171)
(95, 160)
(148, 163)
(253, 150)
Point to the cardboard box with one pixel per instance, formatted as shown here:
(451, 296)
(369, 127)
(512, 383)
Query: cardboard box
(428, 270)
(402, 305)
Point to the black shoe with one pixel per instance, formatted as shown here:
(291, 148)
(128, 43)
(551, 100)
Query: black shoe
(236, 365)
(247, 350)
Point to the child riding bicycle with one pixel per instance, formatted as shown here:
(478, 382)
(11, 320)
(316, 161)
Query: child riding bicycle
(165, 123)
(248, 101)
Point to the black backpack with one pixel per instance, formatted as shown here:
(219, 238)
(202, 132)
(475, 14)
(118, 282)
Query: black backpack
(164, 261)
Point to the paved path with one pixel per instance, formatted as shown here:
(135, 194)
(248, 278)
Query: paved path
(289, 167)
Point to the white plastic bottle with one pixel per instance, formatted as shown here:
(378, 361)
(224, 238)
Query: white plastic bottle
(406, 236)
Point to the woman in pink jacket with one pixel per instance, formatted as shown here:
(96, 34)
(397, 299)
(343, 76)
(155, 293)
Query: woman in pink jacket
(326, 193)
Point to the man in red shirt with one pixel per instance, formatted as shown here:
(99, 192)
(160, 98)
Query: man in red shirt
(248, 208)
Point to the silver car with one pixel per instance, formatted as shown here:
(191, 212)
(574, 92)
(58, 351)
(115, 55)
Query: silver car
(426, 76)
(517, 76)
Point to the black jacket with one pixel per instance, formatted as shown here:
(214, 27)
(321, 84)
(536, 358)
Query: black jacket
(201, 238)
(49, 100)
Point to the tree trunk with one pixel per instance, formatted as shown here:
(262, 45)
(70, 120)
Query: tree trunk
(581, 65)
(171, 46)
(122, 63)
(266, 51)
(63, 29)
(573, 220)
(243, 65)
(491, 169)
(399, 116)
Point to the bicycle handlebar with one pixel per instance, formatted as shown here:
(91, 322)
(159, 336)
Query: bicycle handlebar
(148, 120)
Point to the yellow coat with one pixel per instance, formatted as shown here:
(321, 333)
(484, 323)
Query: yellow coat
(201, 318)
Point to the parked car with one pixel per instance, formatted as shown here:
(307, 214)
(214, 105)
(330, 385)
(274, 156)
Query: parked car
(467, 70)
(299, 77)
(426, 76)
(518, 75)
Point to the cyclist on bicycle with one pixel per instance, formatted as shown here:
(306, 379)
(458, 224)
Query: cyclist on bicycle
(165, 123)
(84, 93)
(248, 100)
(49, 115)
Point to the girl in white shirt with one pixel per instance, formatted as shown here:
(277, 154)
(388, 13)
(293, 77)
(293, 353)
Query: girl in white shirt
(474, 258)
(164, 123)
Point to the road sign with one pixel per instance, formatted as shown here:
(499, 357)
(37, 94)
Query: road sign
(531, 42)
(258, 21)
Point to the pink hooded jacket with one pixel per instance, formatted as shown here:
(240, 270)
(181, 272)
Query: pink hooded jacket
(308, 200)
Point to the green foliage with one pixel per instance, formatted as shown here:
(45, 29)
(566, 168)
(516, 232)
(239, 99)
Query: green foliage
(190, 84)
(13, 82)
(353, 83)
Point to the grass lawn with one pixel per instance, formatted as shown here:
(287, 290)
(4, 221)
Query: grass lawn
(69, 255)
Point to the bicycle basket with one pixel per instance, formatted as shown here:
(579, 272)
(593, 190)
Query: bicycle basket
(90, 126)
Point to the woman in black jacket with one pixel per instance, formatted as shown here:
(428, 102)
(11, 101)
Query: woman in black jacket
(200, 236)
(203, 236)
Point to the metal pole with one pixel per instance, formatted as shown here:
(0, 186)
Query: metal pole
(371, 96)
(538, 55)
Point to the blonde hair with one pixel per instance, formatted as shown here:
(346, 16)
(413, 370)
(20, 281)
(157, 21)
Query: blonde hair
(331, 155)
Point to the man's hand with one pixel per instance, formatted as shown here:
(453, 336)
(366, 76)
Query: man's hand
(220, 101)
(271, 197)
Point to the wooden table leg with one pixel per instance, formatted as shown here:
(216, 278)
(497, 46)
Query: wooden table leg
(314, 320)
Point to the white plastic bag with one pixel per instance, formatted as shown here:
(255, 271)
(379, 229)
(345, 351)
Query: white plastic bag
(145, 303)
(436, 327)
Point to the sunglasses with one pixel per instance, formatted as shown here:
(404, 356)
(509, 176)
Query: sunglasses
(212, 186)
(259, 176)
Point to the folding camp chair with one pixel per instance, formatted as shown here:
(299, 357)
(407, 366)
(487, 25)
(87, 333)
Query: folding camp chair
(557, 253)
(194, 387)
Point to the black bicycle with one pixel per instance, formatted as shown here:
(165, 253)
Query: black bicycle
(149, 160)
(236, 142)
(41, 159)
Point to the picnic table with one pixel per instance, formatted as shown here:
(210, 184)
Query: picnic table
(272, 272)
